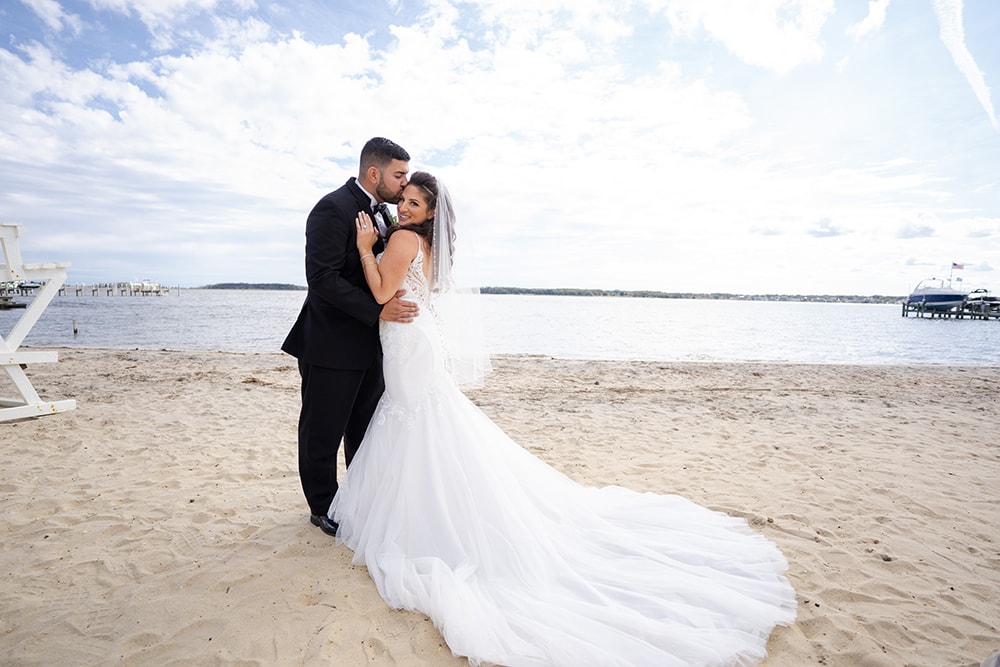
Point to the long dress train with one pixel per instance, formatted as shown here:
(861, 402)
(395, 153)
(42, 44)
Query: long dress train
(518, 565)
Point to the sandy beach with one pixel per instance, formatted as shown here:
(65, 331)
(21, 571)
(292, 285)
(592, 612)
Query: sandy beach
(161, 522)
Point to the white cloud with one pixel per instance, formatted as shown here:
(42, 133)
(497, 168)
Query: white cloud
(167, 20)
(52, 14)
(154, 13)
(915, 230)
(872, 23)
(778, 35)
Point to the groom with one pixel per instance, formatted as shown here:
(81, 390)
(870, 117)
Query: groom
(335, 337)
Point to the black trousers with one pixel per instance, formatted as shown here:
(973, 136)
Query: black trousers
(336, 405)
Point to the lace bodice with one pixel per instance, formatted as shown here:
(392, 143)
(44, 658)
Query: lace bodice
(413, 363)
(415, 282)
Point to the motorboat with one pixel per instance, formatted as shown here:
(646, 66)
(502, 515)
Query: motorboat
(981, 301)
(148, 287)
(936, 294)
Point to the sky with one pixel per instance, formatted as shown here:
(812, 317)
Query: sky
(738, 146)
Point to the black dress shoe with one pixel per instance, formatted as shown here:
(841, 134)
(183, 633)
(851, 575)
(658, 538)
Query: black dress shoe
(325, 523)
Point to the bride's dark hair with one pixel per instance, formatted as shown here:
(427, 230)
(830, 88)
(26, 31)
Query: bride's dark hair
(429, 186)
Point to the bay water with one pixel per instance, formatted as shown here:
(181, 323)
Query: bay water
(569, 327)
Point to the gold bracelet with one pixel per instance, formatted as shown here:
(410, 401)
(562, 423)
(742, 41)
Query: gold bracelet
(368, 255)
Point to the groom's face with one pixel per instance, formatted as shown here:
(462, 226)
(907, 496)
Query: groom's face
(392, 180)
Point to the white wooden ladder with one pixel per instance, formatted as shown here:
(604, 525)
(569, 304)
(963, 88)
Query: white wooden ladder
(51, 275)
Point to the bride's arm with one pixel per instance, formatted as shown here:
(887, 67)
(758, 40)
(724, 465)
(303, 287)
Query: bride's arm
(385, 277)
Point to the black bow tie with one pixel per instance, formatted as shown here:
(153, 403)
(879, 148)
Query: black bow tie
(383, 229)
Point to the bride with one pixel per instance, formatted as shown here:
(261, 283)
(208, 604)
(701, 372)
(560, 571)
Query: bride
(515, 563)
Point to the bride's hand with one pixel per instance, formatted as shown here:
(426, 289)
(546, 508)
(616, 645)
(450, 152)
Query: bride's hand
(367, 232)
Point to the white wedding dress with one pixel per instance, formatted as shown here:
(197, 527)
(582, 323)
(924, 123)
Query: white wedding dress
(518, 565)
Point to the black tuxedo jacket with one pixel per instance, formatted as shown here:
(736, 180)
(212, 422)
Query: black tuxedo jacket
(338, 324)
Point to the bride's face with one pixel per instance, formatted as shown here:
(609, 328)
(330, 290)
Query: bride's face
(412, 206)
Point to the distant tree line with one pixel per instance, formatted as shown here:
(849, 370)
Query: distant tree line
(639, 294)
(271, 286)
(648, 294)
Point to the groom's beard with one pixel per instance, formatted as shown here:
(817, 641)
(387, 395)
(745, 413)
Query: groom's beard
(387, 195)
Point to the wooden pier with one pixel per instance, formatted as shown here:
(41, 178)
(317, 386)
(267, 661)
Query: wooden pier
(117, 289)
(980, 310)
(145, 288)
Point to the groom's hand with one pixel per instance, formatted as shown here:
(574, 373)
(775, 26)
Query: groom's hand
(397, 310)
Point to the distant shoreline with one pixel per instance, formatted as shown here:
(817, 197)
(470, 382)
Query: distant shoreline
(722, 296)
(635, 294)
(264, 286)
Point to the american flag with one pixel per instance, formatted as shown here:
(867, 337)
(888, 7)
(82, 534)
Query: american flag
(957, 266)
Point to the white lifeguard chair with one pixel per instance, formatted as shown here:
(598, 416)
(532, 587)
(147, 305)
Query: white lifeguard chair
(51, 275)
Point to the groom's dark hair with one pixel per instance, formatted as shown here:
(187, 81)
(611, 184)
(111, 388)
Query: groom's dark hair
(379, 152)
